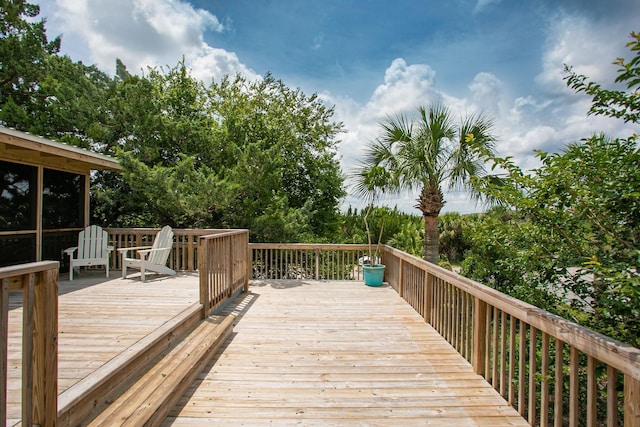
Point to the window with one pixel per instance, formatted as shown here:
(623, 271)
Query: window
(18, 196)
(62, 200)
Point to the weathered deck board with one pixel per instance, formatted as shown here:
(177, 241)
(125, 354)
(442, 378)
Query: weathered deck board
(336, 353)
(98, 320)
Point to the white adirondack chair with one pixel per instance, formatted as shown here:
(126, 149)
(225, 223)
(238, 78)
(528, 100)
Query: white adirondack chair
(92, 249)
(151, 258)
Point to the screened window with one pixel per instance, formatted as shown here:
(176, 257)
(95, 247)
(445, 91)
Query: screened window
(62, 200)
(18, 196)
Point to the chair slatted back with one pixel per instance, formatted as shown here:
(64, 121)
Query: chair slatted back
(92, 243)
(164, 239)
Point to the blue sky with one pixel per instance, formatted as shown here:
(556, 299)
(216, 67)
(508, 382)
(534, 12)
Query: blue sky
(370, 59)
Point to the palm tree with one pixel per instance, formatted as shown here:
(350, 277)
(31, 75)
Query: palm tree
(426, 155)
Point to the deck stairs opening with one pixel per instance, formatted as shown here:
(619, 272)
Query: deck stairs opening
(141, 385)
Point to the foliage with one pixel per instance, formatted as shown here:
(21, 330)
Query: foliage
(514, 256)
(284, 144)
(401, 230)
(425, 154)
(237, 154)
(576, 227)
(24, 49)
(453, 235)
(233, 154)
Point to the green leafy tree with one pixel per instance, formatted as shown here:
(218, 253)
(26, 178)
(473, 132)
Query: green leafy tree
(24, 49)
(426, 155)
(263, 154)
(578, 220)
(287, 144)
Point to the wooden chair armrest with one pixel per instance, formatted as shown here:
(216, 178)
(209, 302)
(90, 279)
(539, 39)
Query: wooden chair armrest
(125, 250)
(143, 254)
(69, 251)
(147, 251)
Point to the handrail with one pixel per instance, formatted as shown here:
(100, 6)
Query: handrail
(223, 267)
(38, 283)
(522, 350)
(307, 261)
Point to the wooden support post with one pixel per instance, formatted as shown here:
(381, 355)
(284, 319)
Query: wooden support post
(4, 339)
(479, 336)
(229, 261)
(204, 274)
(428, 296)
(249, 264)
(29, 350)
(400, 279)
(45, 409)
(631, 402)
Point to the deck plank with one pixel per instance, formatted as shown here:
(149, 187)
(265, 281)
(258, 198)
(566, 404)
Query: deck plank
(336, 353)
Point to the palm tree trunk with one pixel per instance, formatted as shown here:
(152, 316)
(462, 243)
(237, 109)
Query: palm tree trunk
(430, 203)
(431, 251)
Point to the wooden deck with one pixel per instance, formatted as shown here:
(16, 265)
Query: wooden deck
(336, 353)
(302, 353)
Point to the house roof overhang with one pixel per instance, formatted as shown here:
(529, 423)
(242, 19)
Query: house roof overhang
(26, 148)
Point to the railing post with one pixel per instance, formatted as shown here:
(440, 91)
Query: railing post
(479, 334)
(631, 402)
(4, 340)
(249, 265)
(400, 280)
(45, 366)
(317, 264)
(428, 296)
(203, 274)
(230, 260)
(29, 350)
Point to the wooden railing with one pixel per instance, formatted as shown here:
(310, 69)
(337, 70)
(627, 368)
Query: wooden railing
(38, 283)
(306, 261)
(553, 371)
(223, 267)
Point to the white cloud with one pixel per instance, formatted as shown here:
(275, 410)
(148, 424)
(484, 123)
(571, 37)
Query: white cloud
(317, 41)
(144, 33)
(210, 63)
(482, 4)
(487, 92)
(580, 43)
(405, 87)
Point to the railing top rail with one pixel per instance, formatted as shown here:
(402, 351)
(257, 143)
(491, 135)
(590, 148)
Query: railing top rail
(176, 231)
(328, 246)
(617, 354)
(32, 267)
(222, 233)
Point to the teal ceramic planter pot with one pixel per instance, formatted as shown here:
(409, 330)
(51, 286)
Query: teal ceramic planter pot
(373, 274)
